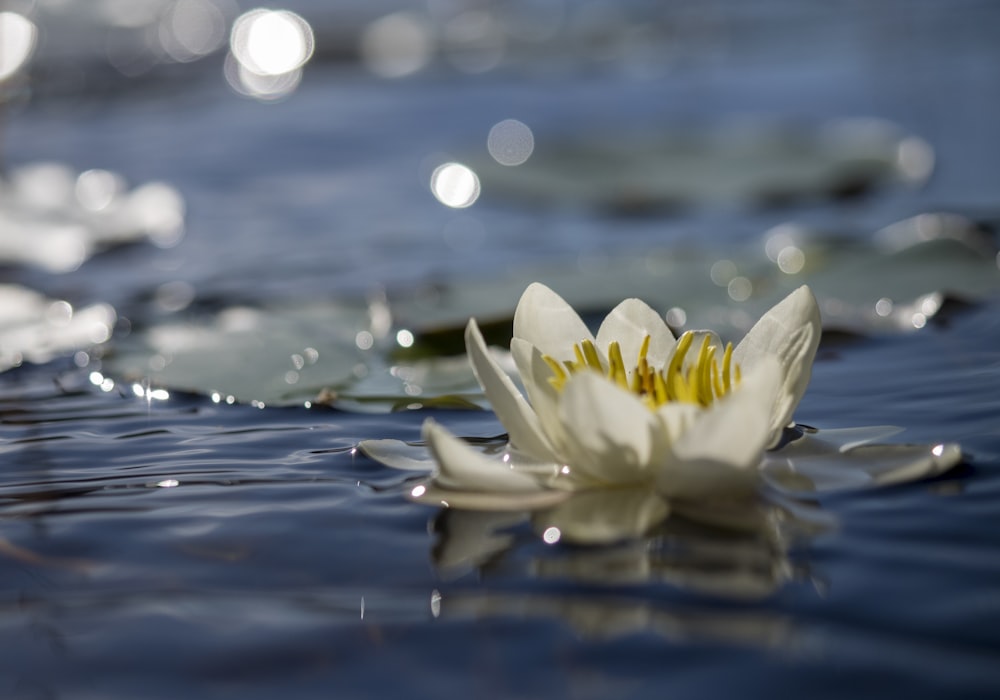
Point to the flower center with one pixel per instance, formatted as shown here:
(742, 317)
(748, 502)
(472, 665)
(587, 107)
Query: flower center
(700, 381)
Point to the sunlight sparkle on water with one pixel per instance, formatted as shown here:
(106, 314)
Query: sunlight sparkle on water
(404, 338)
(18, 35)
(267, 51)
(271, 42)
(455, 185)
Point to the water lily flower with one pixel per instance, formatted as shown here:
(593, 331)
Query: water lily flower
(687, 417)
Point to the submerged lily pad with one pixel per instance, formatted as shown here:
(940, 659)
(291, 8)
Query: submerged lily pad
(744, 164)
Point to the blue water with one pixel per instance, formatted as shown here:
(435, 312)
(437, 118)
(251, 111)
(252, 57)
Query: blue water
(162, 549)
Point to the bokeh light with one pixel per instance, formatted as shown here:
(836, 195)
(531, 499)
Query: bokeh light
(96, 189)
(396, 45)
(190, 29)
(455, 185)
(267, 51)
(510, 142)
(474, 41)
(18, 36)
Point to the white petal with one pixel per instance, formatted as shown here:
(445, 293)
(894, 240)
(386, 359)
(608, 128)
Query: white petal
(611, 437)
(676, 417)
(719, 454)
(544, 319)
(398, 454)
(629, 323)
(462, 468)
(790, 331)
(513, 411)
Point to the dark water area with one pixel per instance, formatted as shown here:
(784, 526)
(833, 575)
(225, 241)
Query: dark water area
(182, 546)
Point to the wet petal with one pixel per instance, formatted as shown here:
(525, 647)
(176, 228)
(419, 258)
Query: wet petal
(611, 437)
(544, 319)
(629, 323)
(790, 331)
(517, 416)
(462, 468)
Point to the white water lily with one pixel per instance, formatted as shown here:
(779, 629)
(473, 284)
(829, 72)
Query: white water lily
(630, 406)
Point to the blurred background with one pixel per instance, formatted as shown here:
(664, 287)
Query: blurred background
(412, 164)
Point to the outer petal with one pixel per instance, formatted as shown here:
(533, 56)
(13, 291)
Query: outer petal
(611, 437)
(461, 468)
(544, 319)
(629, 323)
(790, 331)
(513, 411)
(719, 454)
(535, 374)
(398, 454)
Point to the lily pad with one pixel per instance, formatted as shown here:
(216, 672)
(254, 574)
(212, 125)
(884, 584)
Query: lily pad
(269, 356)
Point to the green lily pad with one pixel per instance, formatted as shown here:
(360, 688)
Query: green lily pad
(271, 356)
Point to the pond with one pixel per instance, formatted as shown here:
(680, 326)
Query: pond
(221, 275)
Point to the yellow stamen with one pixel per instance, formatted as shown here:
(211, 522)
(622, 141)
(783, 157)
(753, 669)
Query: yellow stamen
(701, 382)
(593, 359)
(616, 369)
(727, 362)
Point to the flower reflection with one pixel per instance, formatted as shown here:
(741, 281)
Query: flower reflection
(739, 550)
(739, 554)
